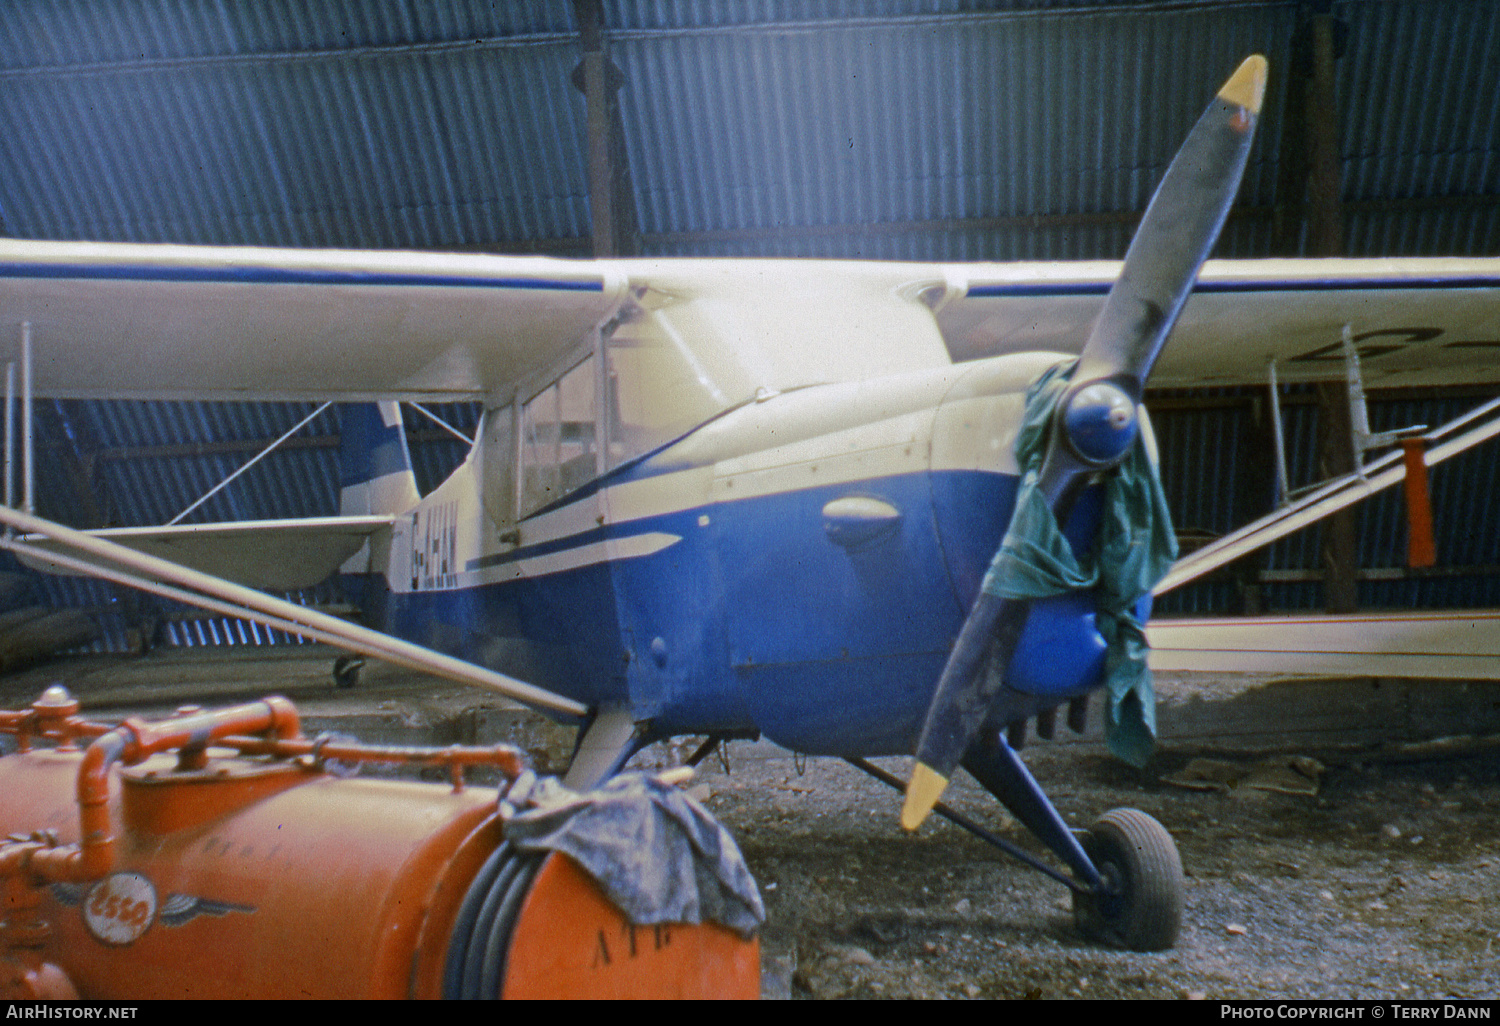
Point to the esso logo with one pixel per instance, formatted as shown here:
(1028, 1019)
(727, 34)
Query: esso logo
(119, 908)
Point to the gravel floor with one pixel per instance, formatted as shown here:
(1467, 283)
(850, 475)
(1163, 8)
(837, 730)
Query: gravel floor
(1386, 884)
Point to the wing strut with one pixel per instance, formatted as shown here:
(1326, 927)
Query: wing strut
(216, 489)
(109, 561)
(27, 469)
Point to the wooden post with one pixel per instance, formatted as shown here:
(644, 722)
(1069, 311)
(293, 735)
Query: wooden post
(1325, 237)
(611, 198)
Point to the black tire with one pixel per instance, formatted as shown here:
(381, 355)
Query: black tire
(1138, 859)
(346, 670)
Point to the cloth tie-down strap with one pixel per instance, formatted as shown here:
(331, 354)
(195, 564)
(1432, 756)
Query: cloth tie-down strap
(1134, 548)
(658, 854)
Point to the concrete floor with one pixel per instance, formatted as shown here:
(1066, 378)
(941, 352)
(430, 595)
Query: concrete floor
(390, 705)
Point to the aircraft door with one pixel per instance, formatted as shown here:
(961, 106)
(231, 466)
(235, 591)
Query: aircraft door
(671, 607)
(398, 573)
(497, 461)
(558, 428)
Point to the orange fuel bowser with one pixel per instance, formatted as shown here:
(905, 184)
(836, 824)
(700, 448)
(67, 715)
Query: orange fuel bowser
(224, 855)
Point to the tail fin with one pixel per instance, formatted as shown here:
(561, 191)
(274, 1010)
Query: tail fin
(374, 466)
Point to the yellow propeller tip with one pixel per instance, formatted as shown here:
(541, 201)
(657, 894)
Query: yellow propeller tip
(922, 793)
(1247, 86)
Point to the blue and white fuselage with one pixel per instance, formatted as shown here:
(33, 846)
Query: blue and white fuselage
(797, 566)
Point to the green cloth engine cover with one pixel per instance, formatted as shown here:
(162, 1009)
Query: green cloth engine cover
(1134, 547)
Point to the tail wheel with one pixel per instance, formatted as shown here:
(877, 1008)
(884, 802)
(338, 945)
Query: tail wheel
(346, 670)
(1141, 906)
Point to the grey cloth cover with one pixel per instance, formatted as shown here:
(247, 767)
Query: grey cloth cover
(658, 854)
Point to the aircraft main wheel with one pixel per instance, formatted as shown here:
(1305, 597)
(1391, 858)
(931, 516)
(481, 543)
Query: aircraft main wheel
(346, 670)
(1142, 907)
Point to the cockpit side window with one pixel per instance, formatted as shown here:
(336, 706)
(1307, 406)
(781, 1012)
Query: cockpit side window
(558, 448)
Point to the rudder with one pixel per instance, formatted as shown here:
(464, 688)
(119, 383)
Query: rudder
(375, 474)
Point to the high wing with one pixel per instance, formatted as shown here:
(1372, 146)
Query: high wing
(1416, 321)
(164, 321)
(161, 321)
(180, 322)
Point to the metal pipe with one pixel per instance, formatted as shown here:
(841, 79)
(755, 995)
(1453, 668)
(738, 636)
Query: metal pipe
(508, 759)
(93, 856)
(10, 438)
(1283, 483)
(361, 639)
(28, 502)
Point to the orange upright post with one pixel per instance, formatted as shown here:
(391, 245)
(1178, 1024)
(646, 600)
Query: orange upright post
(1421, 546)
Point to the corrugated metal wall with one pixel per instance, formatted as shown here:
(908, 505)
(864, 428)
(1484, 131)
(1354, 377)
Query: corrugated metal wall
(882, 130)
(885, 129)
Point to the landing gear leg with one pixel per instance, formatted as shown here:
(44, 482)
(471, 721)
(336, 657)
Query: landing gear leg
(604, 746)
(1132, 884)
(1001, 772)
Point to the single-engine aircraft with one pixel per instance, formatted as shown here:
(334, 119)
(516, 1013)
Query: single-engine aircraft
(735, 498)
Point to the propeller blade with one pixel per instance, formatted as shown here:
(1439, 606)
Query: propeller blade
(1096, 419)
(1180, 227)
